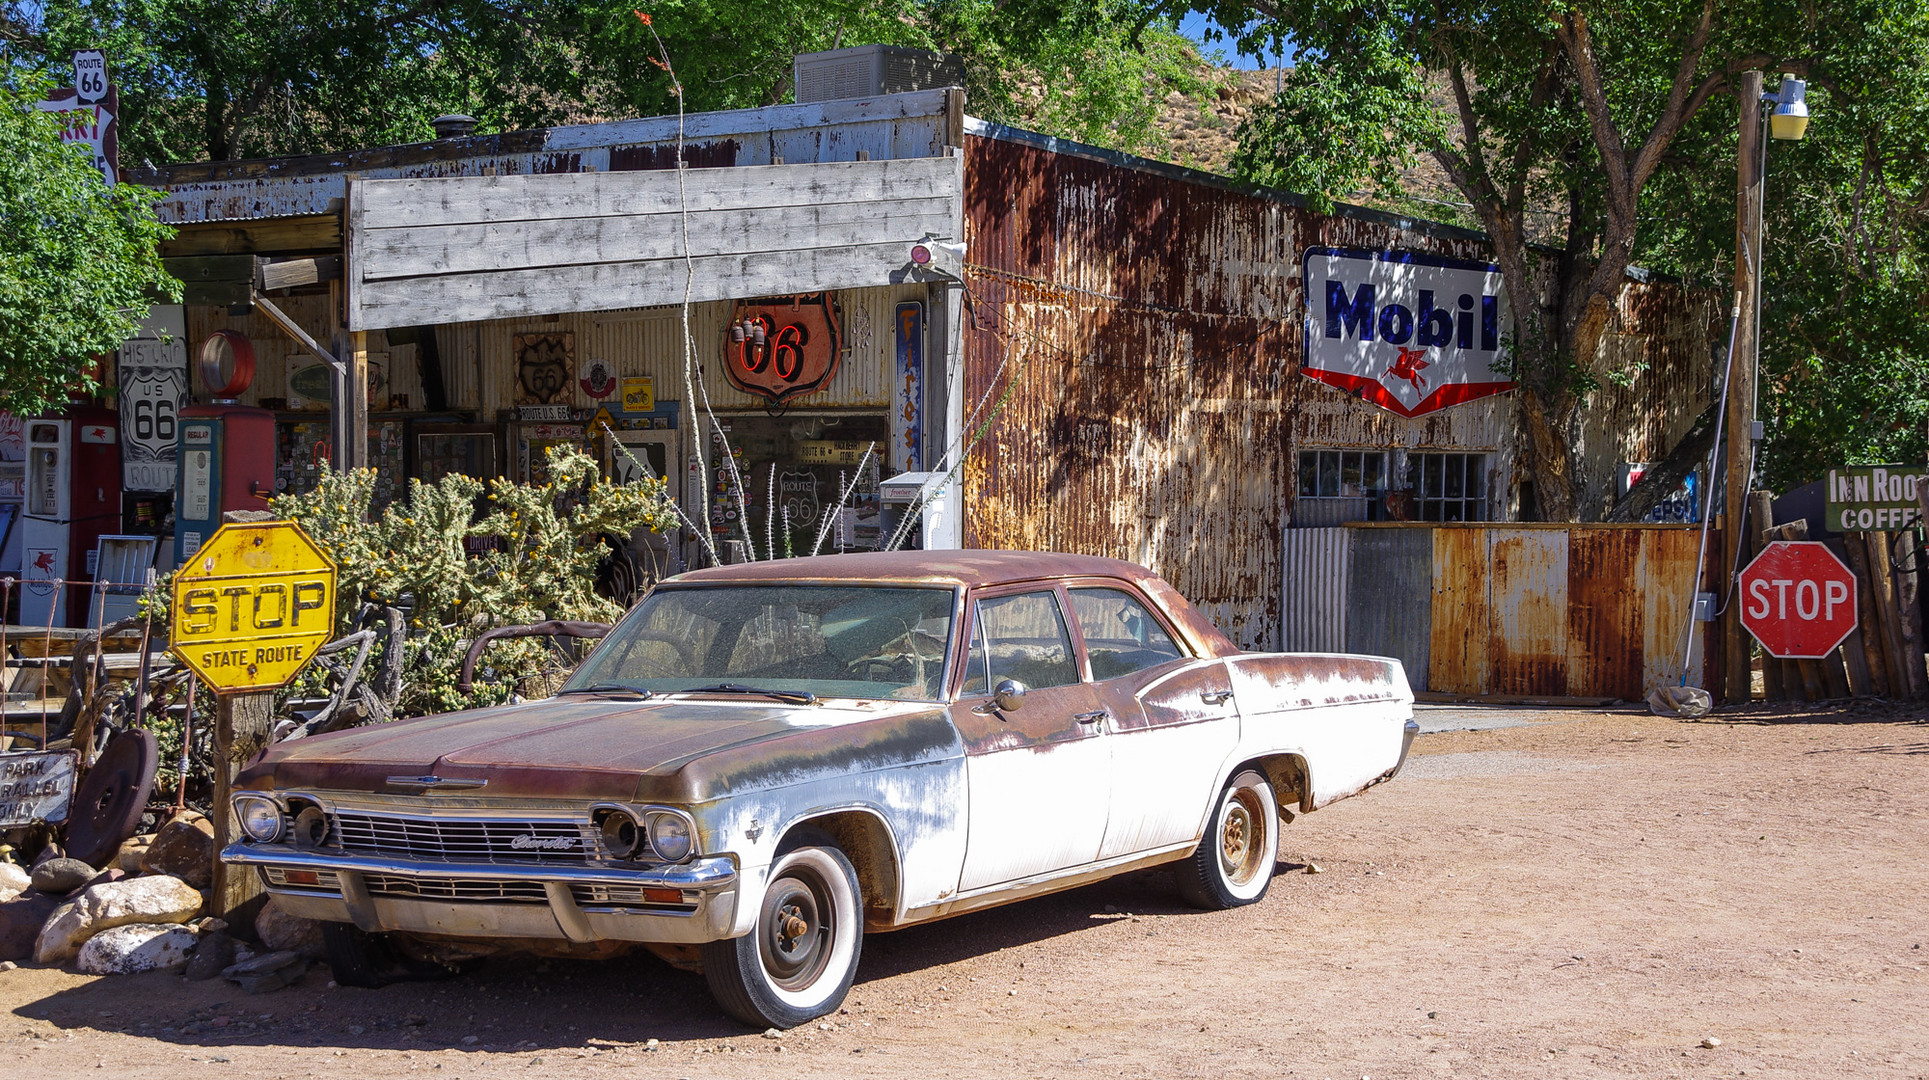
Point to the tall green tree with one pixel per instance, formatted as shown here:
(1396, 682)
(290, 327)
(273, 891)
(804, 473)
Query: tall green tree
(1612, 127)
(79, 261)
(223, 79)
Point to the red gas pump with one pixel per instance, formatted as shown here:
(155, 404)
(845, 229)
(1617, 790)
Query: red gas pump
(73, 496)
(227, 451)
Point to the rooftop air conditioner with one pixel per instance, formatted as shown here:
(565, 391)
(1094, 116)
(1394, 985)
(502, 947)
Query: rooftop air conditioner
(871, 70)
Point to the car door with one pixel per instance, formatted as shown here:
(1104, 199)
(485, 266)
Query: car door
(1171, 717)
(1038, 775)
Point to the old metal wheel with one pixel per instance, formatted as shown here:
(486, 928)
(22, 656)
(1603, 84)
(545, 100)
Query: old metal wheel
(1234, 863)
(798, 963)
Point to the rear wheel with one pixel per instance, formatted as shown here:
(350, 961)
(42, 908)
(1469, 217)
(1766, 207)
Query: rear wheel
(1234, 863)
(798, 963)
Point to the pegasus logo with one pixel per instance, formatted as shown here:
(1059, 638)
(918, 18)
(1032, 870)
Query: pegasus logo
(1408, 366)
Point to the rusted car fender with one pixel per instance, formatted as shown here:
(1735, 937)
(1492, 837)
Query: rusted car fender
(1346, 718)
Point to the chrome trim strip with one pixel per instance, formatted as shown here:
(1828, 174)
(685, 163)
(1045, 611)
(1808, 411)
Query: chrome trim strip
(711, 873)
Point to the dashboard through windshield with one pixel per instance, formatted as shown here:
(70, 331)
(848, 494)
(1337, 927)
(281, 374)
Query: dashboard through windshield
(830, 641)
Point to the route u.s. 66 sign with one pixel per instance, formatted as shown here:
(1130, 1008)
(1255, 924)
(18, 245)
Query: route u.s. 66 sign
(1410, 332)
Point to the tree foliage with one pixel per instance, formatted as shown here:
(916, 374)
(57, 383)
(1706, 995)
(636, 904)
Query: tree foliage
(544, 542)
(1606, 131)
(222, 79)
(79, 261)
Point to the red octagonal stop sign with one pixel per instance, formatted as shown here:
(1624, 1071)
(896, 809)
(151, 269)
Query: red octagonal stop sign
(1798, 600)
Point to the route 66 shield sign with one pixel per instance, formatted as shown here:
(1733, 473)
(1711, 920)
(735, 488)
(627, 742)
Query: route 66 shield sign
(781, 348)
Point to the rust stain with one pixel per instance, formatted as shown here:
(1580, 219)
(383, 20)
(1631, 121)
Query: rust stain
(1462, 628)
(1528, 596)
(1604, 624)
(719, 154)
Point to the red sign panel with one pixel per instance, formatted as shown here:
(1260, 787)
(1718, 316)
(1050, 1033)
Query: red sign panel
(783, 347)
(1798, 600)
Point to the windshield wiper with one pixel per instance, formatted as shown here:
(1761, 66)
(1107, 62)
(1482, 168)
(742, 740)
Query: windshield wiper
(794, 697)
(609, 688)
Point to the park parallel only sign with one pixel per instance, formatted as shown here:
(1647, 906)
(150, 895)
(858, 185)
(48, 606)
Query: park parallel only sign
(252, 606)
(1410, 332)
(1865, 497)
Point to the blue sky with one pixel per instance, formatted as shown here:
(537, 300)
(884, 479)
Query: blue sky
(1195, 26)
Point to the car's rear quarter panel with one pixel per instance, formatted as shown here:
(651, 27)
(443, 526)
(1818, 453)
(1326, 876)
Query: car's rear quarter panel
(1345, 716)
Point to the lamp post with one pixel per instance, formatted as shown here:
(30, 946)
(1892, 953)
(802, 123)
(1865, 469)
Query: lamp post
(1788, 120)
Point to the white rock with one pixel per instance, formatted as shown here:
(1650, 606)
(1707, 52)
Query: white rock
(13, 879)
(152, 899)
(136, 947)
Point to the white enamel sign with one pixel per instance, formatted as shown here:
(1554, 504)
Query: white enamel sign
(153, 388)
(1410, 332)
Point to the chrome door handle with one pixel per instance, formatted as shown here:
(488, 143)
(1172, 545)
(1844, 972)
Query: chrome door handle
(1216, 697)
(1090, 717)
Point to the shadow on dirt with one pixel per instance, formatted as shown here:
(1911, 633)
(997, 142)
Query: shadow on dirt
(1853, 711)
(516, 1005)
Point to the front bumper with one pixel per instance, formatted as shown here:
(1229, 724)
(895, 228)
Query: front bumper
(497, 900)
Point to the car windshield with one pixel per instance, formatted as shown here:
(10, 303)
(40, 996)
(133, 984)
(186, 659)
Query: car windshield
(821, 640)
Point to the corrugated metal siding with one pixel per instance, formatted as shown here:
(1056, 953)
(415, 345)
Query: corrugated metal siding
(1528, 592)
(1313, 602)
(1389, 604)
(1667, 573)
(1604, 629)
(1140, 335)
(1459, 660)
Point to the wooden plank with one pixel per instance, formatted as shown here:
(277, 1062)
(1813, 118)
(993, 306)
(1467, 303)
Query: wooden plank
(272, 274)
(226, 269)
(1604, 630)
(608, 286)
(1909, 611)
(1528, 601)
(461, 200)
(1882, 585)
(309, 232)
(516, 245)
(1761, 515)
(1458, 649)
(1868, 631)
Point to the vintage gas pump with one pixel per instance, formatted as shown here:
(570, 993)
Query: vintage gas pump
(913, 492)
(227, 451)
(73, 496)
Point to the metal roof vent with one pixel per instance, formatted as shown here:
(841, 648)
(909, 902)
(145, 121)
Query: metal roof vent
(872, 70)
(453, 126)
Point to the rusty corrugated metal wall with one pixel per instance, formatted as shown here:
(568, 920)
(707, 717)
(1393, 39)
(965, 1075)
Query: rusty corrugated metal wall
(1133, 338)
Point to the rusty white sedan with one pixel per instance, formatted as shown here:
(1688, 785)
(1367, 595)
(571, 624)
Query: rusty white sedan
(762, 763)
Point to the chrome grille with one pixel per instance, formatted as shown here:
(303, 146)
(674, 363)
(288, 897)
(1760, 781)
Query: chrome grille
(456, 889)
(465, 839)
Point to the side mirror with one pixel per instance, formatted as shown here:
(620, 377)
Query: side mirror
(1009, 695)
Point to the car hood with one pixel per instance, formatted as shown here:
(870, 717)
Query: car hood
(586, 748)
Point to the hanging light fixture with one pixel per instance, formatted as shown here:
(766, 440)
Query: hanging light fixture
(1789, 120)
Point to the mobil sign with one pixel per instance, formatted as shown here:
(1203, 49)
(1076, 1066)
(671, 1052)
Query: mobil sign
(1410, 332)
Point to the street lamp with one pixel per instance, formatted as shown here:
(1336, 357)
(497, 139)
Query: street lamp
(1789, 120)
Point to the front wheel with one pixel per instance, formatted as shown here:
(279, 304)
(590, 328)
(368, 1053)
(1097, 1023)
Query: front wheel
(1234, 863)
(798, 963)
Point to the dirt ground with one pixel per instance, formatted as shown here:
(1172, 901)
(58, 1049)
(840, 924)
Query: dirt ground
(1584, 894)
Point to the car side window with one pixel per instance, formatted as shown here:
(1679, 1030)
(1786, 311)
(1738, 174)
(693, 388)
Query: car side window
(976, 683)
(1121, 636)
(1023, 637)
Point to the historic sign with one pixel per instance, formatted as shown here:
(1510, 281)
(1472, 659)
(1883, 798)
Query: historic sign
(89, 109)
(543, 365)
(153, 373)
(1864, 497)
(1410, 332)
(639, 394)
(252, 606)
(783, 347)
(36, 787)
(908, 425)
(1798, 599)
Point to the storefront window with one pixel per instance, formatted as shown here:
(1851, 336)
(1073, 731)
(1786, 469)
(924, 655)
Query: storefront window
(793, 470)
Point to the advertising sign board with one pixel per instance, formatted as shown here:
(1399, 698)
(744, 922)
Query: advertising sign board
(1865, 497)
(1410, 332)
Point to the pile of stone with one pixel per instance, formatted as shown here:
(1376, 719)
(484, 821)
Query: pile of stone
(145, 913)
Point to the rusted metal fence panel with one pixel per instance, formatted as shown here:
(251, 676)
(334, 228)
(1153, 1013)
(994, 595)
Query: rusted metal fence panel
(1528, 597)
(1668, 580)
(1460, 654)
(1604, 630)
(1390, 598)
(1313, 602)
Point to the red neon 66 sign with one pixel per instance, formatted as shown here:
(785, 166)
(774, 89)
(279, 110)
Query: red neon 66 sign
(783, 347)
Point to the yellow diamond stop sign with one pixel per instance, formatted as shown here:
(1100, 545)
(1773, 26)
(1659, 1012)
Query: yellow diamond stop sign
(252, 606)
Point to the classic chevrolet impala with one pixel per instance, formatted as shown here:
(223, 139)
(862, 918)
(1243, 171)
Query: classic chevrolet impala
(762, 763)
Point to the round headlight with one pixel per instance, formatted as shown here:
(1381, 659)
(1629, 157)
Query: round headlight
(670, 837)
(621, 835)
(260, 818)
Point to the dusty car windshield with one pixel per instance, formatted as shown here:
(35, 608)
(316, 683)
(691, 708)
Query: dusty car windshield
(829, 641)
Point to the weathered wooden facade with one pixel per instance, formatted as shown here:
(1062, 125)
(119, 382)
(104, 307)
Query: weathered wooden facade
(1113, 364)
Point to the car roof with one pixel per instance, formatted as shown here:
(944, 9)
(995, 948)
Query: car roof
(971, 568)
